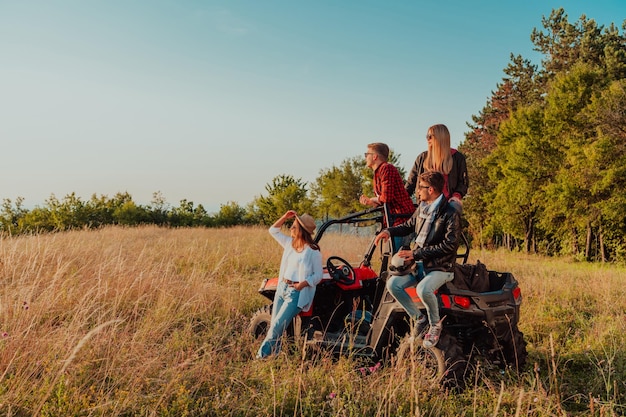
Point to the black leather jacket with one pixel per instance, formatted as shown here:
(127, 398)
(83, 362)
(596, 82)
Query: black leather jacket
(441, 245)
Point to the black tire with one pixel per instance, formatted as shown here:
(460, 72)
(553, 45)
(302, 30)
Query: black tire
(431, 361)
(514, 349)
(444, 364)
(456, 369)
(260, 323)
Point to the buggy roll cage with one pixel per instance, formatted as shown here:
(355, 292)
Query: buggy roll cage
(354, 218)
(381, 216)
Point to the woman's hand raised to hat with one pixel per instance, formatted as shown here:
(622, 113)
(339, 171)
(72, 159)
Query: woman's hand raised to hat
(289, 214)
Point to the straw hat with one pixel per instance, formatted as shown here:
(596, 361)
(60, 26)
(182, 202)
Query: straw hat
(307, 222)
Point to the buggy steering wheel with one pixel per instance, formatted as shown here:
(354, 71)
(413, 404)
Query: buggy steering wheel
(343, 274)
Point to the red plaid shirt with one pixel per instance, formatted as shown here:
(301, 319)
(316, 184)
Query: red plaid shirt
(389, 188)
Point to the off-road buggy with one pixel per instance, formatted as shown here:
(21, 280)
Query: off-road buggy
(354, 314)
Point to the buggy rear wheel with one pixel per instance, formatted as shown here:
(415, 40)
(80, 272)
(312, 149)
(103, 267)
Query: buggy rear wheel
(514, 349)
(456, 365)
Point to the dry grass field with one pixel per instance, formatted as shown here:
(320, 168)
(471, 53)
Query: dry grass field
(152, 322)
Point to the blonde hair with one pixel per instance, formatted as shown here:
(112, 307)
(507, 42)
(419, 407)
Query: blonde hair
(438, 157)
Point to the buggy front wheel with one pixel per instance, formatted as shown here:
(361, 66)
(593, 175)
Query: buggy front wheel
(260, 323)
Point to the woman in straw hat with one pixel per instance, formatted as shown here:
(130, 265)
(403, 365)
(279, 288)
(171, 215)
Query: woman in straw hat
(300, 271)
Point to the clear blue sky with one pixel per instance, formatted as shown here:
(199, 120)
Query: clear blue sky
(210, 100)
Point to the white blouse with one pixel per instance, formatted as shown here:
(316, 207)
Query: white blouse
(299, 266)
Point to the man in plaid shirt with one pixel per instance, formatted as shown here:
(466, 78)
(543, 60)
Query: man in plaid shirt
(388, 187)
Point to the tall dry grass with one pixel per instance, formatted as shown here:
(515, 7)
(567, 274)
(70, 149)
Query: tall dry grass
(152, 322)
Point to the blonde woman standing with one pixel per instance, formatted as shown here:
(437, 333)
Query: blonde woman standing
(442, 158)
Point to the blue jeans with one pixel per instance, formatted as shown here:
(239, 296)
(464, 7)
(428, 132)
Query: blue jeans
(425, 290)
(284, 309)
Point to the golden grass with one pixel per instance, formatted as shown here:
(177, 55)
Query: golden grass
(152, 321)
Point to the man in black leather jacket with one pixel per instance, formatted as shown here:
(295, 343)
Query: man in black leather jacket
(438, 228)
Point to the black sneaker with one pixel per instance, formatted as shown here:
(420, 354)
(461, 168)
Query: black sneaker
(420, 325)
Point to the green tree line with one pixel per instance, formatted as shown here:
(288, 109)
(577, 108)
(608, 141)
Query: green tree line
(71, 212)
(335, 193)
(546, 154)
(546, 159)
